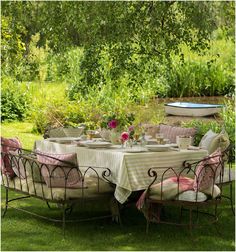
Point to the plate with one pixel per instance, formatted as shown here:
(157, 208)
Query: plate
(174, 145)
(85, 142)
(98, 144)
(63, 139)
(152, 141)
(135, 150)
(158, 147)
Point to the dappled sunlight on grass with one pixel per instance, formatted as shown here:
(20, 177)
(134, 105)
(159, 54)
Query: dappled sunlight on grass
(31, 233)
(22, 130)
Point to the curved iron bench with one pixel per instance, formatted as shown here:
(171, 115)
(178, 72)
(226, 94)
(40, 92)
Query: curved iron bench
(193, 189)
(65, 183)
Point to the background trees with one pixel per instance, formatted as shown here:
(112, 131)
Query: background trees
(126, 35)
(112, 54)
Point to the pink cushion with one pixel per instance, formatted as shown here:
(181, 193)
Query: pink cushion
(170, 187)
(10, 168)
(60, 170)
(207, 171)
(171, 132)
(166, 190)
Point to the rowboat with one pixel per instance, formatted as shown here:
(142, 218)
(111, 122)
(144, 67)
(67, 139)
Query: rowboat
(192, 109)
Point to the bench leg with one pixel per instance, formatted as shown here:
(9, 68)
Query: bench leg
(231, 198)
(6, 203)
(190, 221)
(48, 205)
(63, 219)
(115, 210)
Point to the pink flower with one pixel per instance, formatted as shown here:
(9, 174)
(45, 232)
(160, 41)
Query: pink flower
(124, 136)
(112, 124)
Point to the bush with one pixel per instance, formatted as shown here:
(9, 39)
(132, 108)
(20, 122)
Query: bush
(91, 109)
(53, 114)
(228, 116)
(192, 78)
(15, 100)
(202, 128)
(51, 107)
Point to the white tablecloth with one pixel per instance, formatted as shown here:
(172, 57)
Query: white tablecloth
(129, 170)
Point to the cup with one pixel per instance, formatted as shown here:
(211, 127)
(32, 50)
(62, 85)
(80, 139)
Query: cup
(90, 134)
(136, 137)
(160, 138)
(166, 141)
(183, 142)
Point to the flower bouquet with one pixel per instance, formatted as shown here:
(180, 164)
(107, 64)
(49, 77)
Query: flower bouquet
(111, 126)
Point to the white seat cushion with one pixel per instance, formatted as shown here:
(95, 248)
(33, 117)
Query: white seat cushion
(191, 196)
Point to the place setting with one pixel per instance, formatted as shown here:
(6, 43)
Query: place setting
(63, 140)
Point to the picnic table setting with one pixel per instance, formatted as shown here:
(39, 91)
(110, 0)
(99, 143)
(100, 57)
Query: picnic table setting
(159, 162)
(128, 156)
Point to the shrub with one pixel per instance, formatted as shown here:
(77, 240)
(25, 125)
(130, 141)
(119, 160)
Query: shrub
(192, 78)
(51, 107)
(15, 100)
(56, 113)
(202, 127)
(228, 116)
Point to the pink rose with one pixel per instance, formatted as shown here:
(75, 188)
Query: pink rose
(124, 136)
(113, 124)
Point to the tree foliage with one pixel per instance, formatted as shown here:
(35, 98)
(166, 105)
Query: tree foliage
(124, 36)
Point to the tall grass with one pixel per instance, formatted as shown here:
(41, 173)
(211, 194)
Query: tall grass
(45, 96)
(207, 74)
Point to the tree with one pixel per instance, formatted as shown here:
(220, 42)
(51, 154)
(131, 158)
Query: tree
(125, 31)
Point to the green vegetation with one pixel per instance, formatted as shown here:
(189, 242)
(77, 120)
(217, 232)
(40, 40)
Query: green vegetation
(114, 62)
(14, 100)
(94, 44)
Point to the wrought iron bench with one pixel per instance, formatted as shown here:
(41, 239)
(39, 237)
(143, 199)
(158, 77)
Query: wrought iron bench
(193, 189)
(55, 181)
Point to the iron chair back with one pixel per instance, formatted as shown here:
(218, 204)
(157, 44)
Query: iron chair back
(153, 205)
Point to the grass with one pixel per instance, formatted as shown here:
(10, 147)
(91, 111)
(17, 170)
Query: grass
(23, 130)
(32, 234)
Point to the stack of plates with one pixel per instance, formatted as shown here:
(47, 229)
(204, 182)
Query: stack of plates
(63, 139)
(98, 144)
(85, 142)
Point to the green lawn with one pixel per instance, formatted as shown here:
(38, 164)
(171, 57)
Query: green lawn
(31, 233)
(20, 231)
(22, 130)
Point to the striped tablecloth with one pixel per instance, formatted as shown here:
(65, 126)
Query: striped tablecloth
(129, 170)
